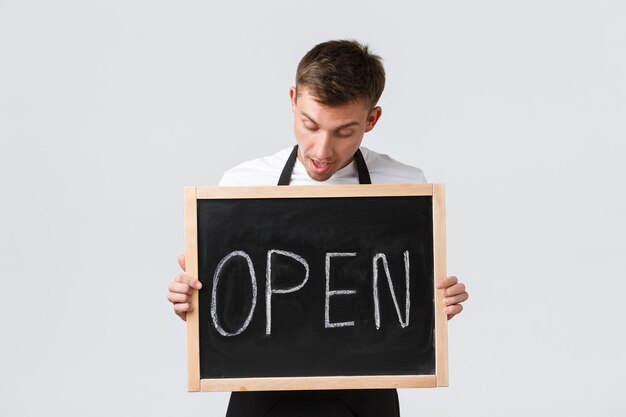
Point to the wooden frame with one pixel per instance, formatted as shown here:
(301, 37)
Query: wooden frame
(439, 379)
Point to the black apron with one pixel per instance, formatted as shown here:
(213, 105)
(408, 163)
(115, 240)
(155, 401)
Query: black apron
(319, 403)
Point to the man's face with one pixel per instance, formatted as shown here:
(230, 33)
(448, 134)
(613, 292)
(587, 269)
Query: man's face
(328, 137)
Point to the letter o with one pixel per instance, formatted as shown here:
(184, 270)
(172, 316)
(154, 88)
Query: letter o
(216, 279)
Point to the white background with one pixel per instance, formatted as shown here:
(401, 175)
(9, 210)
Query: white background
(109, 108)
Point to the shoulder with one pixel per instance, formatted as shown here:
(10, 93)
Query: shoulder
(260, 171)
(386, 170)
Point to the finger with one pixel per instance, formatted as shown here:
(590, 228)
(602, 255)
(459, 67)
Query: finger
(183, 308)
(455, 289)
(182, 315)
(453, 310)
(174, 297)
(447, 282)
(459, 298)
(180, 288)
(181, 262)
(186, 279)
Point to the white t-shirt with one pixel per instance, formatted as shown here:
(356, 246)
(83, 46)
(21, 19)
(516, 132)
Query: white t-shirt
(266, 171)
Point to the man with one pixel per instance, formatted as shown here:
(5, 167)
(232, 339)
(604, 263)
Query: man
(334, 102)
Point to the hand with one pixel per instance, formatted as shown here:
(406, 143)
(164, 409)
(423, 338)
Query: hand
(180, 290)
(455, 294)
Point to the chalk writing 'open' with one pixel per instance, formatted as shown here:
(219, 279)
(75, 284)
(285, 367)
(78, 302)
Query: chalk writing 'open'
(270, 291)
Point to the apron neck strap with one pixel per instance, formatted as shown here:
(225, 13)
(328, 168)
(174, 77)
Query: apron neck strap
(361, 166)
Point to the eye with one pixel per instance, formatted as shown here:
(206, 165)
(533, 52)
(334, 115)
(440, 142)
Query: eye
(308, 126)
(345, 133)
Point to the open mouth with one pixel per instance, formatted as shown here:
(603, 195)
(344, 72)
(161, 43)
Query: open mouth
(320, 166)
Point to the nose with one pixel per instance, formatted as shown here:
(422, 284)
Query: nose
(323, 146)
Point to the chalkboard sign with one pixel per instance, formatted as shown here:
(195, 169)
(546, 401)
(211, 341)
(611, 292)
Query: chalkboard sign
(316, 287)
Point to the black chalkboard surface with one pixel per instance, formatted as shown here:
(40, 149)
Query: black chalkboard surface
(316, 287)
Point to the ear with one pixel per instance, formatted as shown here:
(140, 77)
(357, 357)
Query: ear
(373, 117)
(293, 96)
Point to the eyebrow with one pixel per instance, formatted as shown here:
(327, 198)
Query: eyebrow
(349, 124)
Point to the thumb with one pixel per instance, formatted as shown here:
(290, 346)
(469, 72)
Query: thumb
(181, 262)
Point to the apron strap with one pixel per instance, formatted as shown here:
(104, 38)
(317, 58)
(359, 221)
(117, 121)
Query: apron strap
(361, 166)
(285, 176)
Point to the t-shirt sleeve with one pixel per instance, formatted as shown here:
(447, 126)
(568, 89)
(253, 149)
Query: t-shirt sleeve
(226, 180)
(419, 176)
(251, 173)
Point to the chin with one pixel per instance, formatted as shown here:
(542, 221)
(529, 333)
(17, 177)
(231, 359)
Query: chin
(319, 177)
